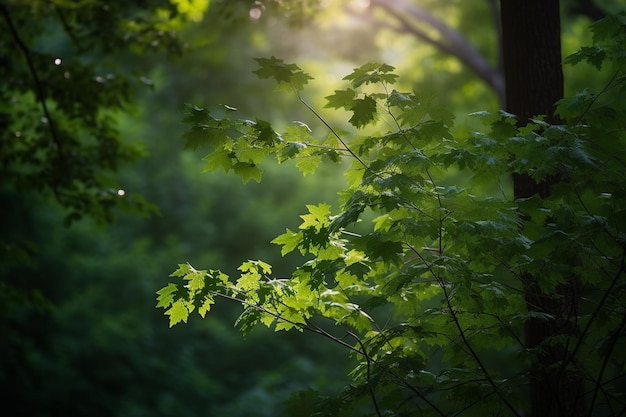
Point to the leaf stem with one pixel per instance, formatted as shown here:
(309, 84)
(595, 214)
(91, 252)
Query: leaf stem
(330, 128)
(462, 334)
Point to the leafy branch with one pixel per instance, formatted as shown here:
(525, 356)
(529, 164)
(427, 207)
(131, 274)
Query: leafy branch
(41, 96)
(440, 260)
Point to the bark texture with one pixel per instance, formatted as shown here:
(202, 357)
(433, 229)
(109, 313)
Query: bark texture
(531, 38)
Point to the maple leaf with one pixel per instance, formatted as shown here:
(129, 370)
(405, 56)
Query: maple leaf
(364, 111)
(341, 99)
(178, 312)
(282, 72)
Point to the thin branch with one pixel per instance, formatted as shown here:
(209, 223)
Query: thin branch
(621, 266)
(369, 364)
(318, 330)
(33, 72)
(302, 326)
(597, 96)
(462, 334)
(598, 382)
(330, 128)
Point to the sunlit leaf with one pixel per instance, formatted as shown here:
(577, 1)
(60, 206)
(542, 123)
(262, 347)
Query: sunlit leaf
(308, 164)
(166, 295)
(288, 240)
(178, 312)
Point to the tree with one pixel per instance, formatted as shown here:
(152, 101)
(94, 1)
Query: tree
(432, 268)
(534, 83)
(428, 23)
(78, 335)
(56, 138)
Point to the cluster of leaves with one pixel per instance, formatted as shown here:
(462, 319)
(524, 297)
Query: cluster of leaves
(63, 86)
(423, 269)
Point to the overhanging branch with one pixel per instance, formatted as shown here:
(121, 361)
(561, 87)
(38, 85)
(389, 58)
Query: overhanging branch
(450, 41)
(41, 97)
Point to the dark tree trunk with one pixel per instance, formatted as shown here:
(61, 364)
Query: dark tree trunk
(531, 37)
(534, 82)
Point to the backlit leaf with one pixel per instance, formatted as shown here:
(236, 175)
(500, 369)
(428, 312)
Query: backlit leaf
(364, 111)
(178, 312)
(308, 164)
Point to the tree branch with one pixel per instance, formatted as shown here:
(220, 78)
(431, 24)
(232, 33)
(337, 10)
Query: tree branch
(452, 43)
(33, 72)
(457, 323)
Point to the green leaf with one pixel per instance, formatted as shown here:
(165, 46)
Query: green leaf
(308, 164)
(341, 99)
(283, 73)
(248, 171)
(402, 100)
(364, 111)
(195, 115)
(299, 132)
(195, 280)
(289, 241)
(317, 217)
(218, 159)
(371, 73)
(248, 320)
(265, 132)
(205, 306)
(178, 312)
(595, 55)
(182, 270)
(248, 281)
(252, 153)
(608, 27)
(166, 295)
(290, 150)
(377, 246)
(221, 111)
(195, 138)
(573, 106)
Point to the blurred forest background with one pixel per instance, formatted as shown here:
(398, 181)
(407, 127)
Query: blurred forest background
(79, 334)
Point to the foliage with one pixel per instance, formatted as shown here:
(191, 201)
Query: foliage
(63, 88)
(78, 335)
(422, 270)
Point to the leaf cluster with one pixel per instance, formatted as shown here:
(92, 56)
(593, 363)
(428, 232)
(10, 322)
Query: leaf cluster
(63, 89)
(424, 269)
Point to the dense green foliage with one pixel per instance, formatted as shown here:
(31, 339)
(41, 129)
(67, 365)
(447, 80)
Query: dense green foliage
(78, 331)
(56, 138)
(422, 271)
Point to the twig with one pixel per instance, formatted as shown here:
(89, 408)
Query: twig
(462, 334)
(369, 363)
(333, 131)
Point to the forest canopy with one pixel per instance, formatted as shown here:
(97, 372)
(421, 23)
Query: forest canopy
(467, 275)
(427, 195)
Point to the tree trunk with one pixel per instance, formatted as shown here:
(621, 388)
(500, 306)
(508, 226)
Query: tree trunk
(531, 40)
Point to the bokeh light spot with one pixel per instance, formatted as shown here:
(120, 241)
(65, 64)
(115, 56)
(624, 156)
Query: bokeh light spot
(255, 13)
